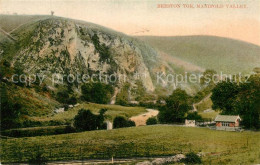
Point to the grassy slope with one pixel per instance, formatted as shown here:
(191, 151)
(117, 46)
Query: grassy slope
(34, 103)
(220, 54)
(220, 147)
(113, 111)
(204, 105)
(10, 22)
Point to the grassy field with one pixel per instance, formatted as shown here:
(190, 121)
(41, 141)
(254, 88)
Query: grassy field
(219, 147)
(112, 112)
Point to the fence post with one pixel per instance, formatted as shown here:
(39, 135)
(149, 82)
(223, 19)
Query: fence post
(50, 154)
(80, 155)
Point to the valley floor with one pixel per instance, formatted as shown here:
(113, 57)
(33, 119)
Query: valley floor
(218, 147)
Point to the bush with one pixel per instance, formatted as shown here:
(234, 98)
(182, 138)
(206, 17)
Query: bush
(151, 121)
(62, 96)
(97, 92)
(85, 120)
(192, 158)
(194, 116)
(177, 105)
(72, 100)
(121, 122)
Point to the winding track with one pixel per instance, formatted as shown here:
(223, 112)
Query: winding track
(142, 118)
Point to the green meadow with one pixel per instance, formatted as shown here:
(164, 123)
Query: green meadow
(218, 147)
(112, 112)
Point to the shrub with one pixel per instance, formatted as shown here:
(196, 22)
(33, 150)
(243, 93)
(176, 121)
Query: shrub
(122, 96)
(62, 96)
(151, 121)
(194, 116)
(131, 123)
(72, 100)
(192, 158)
(97, 92)
(121, 122)
(85, 120)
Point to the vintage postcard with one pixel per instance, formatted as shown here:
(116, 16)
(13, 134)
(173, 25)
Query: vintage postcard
(145, 82)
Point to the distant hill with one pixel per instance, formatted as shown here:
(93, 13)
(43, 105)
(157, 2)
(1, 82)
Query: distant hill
(210, 52)
(11, 22)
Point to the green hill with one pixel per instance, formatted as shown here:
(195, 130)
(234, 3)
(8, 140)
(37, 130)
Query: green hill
(210, 52)
(11, 22)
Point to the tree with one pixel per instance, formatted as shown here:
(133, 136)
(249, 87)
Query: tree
(120, 122)
(194, 116)
(62, 96)
(151, 121)
(247, 102)
(10, 111)
(223, 97)
(72, 100)
(97, 92)
(122, 96)
(85, 120)
(140, 91)
(239, 99)
(177, 105)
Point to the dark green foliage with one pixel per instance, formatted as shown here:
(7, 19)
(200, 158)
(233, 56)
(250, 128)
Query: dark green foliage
(140, 91)
(121, 122)
(177, 105)
(85, 120)
(194, 116)
(242, 99)
(192, 158)
(38, 158)
(131, 123)
(10, 111)
(101, 48)
(72, 100)
(39, 131)
(122, 96)
(97, 92)
(223, 97)
(151, 121)
(62, 96)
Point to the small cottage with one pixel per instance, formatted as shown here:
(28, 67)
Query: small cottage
(227, 122)
(190, 123)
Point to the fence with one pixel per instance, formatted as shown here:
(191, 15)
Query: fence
(86, 151)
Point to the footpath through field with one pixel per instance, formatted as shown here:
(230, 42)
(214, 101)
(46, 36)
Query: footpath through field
(142, 118)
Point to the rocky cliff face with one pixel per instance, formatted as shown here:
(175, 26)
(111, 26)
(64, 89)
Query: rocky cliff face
(63, 46)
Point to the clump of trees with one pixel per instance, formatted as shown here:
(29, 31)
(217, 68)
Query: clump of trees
(85, 120)
(97, 92)
(64, 97)
(122, 96)
(151, 121)
(121, 122)
(239, 99)
(194, 116)
(10, 110)
(177, 105)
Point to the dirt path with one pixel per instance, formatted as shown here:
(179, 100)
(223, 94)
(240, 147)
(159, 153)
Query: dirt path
(113, 99)
(7, 35)
(141, 119)
(195, 104)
